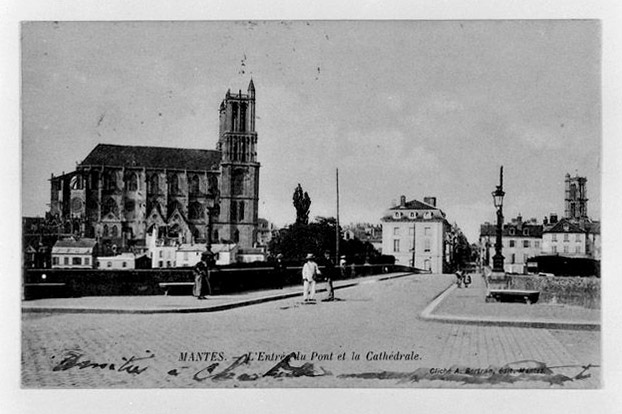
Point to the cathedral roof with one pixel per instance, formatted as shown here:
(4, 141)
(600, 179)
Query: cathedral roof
(153, 157)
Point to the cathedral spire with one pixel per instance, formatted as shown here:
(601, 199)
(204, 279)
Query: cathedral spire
(251, 89)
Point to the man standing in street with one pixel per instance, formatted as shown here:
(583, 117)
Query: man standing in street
(310, 273)
(342, 267)
(329, 274)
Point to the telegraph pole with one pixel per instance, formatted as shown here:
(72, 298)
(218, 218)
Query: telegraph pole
(337, 227)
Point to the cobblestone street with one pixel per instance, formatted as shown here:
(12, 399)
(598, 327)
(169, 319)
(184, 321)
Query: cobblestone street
(373, 320)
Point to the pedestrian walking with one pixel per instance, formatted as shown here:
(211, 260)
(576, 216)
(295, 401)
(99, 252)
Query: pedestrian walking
(329, 274)
(310, 273)
(459, 278)
(202, 275)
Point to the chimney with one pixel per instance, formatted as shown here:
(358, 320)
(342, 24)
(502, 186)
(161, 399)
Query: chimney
(403, 201)
(430, 200)
(553, 218)
(545, 221)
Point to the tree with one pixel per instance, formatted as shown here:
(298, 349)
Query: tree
(302, 204)
(317, 237)
(462, 253)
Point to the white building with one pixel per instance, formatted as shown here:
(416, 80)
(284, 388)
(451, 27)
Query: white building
(521, 240)
(188, 255)
(74, 254)
(414, 232)
(121, 261)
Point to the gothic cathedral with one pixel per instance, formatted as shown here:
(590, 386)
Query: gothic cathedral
(119, 194)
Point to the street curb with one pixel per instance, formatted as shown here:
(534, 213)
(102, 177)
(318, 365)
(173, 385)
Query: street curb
(213, 308)
(427, 314)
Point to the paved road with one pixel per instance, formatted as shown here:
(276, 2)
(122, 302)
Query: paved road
(377, 321)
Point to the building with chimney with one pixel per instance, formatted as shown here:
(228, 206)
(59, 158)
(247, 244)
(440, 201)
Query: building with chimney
(119, 193)
(521, 241)
(417, 234)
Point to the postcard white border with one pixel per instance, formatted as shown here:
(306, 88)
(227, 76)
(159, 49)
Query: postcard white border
(14, 399)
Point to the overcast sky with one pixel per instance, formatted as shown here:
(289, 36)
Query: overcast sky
(408, 108)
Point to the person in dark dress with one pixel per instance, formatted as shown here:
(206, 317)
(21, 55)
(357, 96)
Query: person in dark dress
(202, 275)
(329, 274)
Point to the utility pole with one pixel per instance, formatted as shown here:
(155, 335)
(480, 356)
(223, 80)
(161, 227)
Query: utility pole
(337, 227)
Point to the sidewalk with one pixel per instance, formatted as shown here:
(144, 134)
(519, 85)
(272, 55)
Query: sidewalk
(468, 306)
(183, 304)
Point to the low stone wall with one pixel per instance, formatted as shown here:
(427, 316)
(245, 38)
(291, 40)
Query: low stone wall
(578, 291)
(40, 283)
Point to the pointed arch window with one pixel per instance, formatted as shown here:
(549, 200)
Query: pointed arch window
(105, 232)
(236, 236)
(196, 211)
(174, 184)
(238, 182)
(113, 231)
(195, 185)
(109, 181)
(234, 211)
(213, 185)
(154, 184)
(241, 211)
(132, 182)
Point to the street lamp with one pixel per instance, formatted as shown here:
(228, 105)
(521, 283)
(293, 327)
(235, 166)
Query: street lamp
(497, 196)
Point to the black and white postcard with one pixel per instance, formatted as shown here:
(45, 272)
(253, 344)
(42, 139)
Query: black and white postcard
(311, 203)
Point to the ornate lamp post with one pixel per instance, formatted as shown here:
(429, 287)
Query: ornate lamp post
(497, 195)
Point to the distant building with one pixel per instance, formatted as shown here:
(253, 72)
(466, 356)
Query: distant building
(265, 232)
(415, 233)
(256, 254)
(521, 240)
(121, 261)
(188, 255)
(226, 253)
(572, 238)
(74, 254)
(365, 232)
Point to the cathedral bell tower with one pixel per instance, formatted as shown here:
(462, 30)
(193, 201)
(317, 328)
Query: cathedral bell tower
(239, 184)
(576, 197)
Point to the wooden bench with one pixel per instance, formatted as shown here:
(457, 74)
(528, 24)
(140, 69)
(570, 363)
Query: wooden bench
(513, 295)
(168, 285)
(38, 290)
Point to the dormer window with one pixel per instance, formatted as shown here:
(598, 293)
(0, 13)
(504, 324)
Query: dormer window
(525, 232)
(397, 215)
(512, 231)
(412, 214)
(427, 215)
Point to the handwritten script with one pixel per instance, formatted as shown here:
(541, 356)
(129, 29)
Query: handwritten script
(241, 370)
